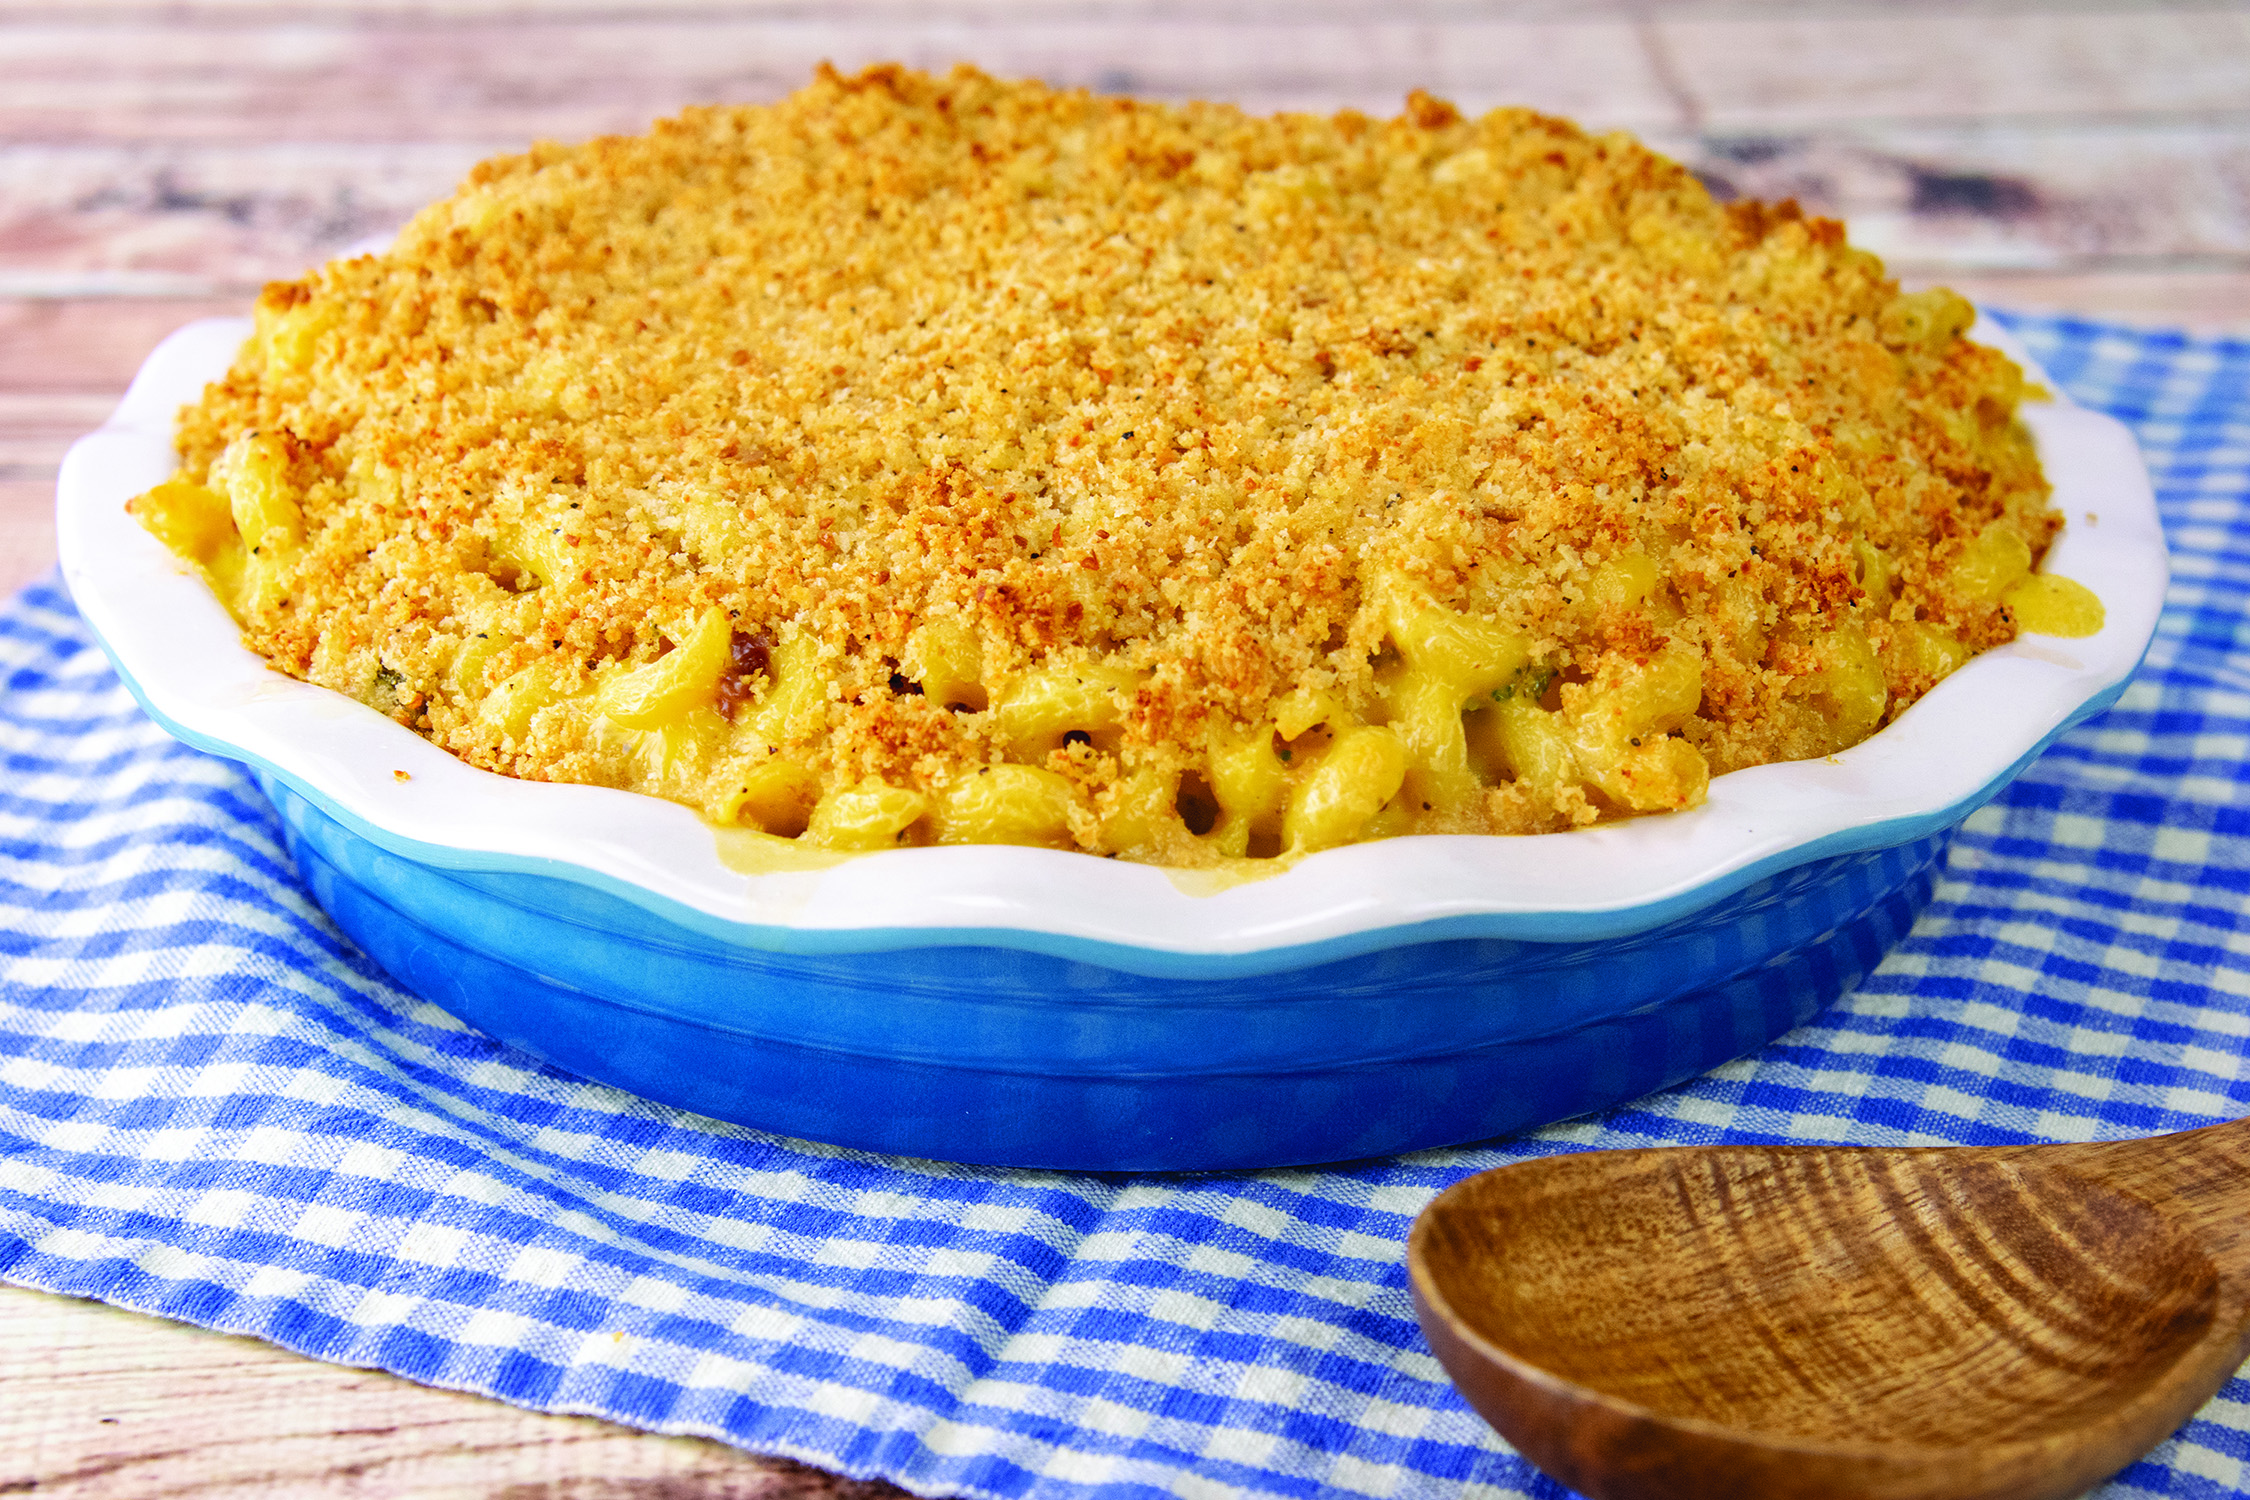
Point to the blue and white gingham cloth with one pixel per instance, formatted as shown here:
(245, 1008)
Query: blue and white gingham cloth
(213, 1108)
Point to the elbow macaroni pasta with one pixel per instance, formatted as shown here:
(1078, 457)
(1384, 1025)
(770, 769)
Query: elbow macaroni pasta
(897, 517)
(1463, 712)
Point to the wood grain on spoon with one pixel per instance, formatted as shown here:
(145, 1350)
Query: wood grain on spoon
(1750, 1321)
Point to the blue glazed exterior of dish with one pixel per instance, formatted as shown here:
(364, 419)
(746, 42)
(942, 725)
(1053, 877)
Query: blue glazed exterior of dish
(1003, 1056)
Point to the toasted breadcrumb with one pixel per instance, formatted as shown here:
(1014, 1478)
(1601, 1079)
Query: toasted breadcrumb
(1109, 382)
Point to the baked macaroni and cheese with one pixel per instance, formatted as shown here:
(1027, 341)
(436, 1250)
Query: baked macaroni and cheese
(938, 460)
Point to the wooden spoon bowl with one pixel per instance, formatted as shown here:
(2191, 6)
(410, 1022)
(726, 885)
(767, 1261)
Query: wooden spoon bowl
(1747, 1321)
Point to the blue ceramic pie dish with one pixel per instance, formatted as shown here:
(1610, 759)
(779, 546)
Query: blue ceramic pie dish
(1035, 1008)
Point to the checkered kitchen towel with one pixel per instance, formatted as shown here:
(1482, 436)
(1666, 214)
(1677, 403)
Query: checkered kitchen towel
(213, 1108)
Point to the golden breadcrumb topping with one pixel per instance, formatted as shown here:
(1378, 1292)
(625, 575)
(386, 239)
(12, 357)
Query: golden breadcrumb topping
(934, 385)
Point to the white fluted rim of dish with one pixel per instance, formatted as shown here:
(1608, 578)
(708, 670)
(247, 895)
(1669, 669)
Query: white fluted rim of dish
(182, 657)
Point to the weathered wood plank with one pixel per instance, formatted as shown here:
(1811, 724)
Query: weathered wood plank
(270, 11)
(404, 77)
(93, 346)
(1956, 198)
(2206, 302)
(62, 367)
(227, 194)
(27, 531)
(94, 1412)
(35, 430)
(1780, 69)
(401, 80)
(228, 216)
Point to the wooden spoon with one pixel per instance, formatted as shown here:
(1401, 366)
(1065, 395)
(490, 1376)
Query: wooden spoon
(1762, 1321)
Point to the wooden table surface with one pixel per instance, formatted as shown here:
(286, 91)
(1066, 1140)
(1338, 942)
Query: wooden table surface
(159, 160)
